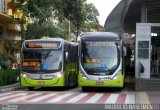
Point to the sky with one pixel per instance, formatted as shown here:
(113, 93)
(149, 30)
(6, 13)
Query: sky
(104, 7)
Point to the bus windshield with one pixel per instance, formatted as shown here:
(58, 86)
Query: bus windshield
(42, 60)
(100, 57)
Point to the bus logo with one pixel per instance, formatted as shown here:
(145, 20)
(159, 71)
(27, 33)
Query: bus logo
(104, 78)
(44, 67)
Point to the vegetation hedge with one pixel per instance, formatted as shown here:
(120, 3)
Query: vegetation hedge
(8, 76)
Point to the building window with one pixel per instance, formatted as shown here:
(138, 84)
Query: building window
(3, 6)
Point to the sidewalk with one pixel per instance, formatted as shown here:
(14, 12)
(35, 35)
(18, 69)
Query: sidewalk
(12, 87)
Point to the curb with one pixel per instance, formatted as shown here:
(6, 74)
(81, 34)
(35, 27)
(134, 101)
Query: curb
(12, 87)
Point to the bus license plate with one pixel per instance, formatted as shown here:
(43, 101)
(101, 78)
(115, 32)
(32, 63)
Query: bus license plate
(41, 82)
(99, 83)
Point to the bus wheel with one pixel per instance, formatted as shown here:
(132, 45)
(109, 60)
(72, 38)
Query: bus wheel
(31, 88)
(66, 83)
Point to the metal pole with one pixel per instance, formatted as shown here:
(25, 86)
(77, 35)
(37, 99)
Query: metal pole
(69, 28)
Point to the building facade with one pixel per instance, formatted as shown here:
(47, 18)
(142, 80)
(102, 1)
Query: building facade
(9, 30)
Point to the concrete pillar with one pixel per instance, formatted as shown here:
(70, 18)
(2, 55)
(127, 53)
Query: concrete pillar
(143, 50)
(143, 13)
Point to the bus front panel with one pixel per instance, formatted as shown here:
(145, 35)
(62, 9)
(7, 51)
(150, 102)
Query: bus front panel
(100, 63)
(42, 68)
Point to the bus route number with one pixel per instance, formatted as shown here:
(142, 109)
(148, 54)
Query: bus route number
(91, 60)
(31, 64)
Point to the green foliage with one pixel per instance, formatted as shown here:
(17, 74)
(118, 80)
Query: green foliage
(38, 31)
(91, 13)
(63, 29)
(42, 12)
(1, 78)
(88, 26)
(5, 60)
(77, 15)
(10, 45)
(91, 20)
(8, 76)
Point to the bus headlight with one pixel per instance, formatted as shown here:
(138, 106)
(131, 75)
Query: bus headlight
(57, 75)
(117, 74)
(25, 76)
(83, 76)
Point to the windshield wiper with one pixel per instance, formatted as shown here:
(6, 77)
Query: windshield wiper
(109, 70)
(101, 68)
(47, 55)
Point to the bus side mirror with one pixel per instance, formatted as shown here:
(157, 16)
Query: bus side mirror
(125, 51)
(66, 55)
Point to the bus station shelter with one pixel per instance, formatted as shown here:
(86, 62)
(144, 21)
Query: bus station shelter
(140, 18)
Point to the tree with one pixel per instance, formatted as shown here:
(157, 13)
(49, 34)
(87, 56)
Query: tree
(82, 16)
(91, 26)
(42, 12)
(34, 30)
(91, 20)
(91, 13)
(73, 11)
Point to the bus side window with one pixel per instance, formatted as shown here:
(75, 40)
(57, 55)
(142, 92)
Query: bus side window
(66, 56)
(65, 53)
(70, 54)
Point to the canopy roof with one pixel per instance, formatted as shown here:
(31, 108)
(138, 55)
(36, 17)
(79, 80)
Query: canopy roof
(127, 13)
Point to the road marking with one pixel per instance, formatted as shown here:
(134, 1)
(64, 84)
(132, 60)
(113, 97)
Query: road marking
(94, 98)
(83, 99)
(130, 98)
(72, 97)
(24, 97)
(112, 98)
(77, 98)
(103, 98)
(12, 96)
(69, 97)
(59, 98)
(143, 97)
(4, 94)
(49, 98)
(121, 99)
(41, 98)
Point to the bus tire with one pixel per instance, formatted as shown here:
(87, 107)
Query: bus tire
(66, 82)
(69, 79)
(31, 88)
(76, 81)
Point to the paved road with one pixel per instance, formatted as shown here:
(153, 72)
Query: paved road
(74, 99)
(30, 97)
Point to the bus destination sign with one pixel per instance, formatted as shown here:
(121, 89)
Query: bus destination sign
(42, 45)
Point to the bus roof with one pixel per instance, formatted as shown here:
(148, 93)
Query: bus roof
(94, 36)
(45, 39)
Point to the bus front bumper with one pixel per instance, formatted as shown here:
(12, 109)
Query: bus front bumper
(28, 82)
(119, 82)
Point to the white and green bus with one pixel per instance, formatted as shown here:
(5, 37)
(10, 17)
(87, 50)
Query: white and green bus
(101, 60)
(49, 62)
